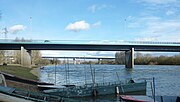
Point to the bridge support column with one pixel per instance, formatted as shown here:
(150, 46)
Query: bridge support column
(25, 58)
(129, 58)
(74, 61)
(78, 61)
(99, 61)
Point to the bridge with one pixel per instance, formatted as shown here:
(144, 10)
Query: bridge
(128, 46)
(75, 58)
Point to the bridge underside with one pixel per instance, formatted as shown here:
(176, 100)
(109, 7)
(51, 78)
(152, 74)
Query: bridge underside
(26, 48)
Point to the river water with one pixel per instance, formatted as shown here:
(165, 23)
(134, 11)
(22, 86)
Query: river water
(167, 78)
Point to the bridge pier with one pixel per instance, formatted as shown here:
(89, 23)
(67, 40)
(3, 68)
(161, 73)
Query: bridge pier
(78, 61)
(74, 61)
(129, 58)
(99, 60)
(25, 57)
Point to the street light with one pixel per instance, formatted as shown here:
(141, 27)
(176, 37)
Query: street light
(5, 32)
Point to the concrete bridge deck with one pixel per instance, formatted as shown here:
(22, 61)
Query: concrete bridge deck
(90, 45)
(82, 45)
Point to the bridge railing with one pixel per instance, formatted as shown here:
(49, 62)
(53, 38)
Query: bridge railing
(85, 42)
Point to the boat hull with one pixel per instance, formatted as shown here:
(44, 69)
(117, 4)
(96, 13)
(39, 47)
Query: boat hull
(82, 91)
(8, 98)
(8, 94)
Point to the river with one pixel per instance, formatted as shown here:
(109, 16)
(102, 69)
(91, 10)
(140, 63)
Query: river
(167, 78)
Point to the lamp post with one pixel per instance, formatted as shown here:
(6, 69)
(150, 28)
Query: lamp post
(5, 32)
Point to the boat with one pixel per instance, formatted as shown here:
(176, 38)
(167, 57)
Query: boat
(100, 89)
(135, 98)
(8, 94)
(22, 80)
(42, 67)
(96, 89)
(46, 87)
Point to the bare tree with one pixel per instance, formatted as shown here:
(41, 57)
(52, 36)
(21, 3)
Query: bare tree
(120, 57)
(2, 56)
(36, 57)
(17, 57)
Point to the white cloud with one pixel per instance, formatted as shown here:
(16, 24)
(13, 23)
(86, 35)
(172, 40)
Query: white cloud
(169, 12)
(164, 27)
(78, 26)
(16, 28)
(134, 25)
(158, 1)
(147, 39)
(94, 8)
(81, 25)
(139, 22)
(103, 6)
(107, 42)
(96, 24)
(101, 53)
(158, 29)
(48, 53)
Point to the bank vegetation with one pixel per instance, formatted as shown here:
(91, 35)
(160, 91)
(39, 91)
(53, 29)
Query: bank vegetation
(14, 57)
(148, 59)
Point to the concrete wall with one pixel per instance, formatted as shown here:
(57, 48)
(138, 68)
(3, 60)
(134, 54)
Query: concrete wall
(26, 58)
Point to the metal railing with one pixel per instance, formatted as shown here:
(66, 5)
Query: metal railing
(87, 42)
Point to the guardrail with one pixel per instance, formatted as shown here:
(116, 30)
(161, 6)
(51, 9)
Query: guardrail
(84, 42)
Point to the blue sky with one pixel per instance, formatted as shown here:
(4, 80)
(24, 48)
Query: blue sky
(128, 20)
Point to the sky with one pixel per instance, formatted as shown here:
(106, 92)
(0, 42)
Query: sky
(114, 20)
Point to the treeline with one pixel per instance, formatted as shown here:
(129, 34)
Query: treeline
(148, 59)
(14, 57)
(104, 61)
(160, 60)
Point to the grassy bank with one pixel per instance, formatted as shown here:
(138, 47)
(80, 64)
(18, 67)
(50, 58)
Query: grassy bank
(19, 71)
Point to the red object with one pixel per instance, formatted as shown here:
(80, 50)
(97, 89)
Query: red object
(132, 98)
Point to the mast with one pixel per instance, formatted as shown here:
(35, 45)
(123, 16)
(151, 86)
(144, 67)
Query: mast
(85, 71)
(55, 69)
(68, 71)
(65, 70)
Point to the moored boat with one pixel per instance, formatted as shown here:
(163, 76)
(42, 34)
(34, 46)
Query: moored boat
(22, 80)
(8, 94)
(135, 98)
(100, 89)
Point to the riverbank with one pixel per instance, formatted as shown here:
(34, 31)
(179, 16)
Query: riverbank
(23, 72)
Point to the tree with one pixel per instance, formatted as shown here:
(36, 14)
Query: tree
(176, 59)
(138, 58)
(17, 39)
(120, 57)
(17, 57)
(2, 56)
(147, 59)
(44, 62)
(36, 57)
